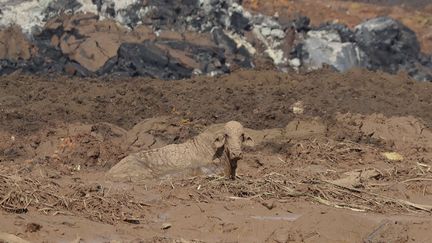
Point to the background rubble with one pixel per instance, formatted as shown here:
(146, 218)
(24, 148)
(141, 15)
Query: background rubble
(176, 39)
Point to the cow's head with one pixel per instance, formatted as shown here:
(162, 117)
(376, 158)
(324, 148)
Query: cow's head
(232, 140)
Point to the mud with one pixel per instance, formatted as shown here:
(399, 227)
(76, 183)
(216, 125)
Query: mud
(258, 99)
(320, 170)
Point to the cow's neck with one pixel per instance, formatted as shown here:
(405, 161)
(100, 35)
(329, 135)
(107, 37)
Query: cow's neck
(203, 146)
(205, 151)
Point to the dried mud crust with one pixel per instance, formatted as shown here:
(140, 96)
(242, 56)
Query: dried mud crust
(258, 99)
(58, 136)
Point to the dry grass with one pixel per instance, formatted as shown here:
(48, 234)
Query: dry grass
(18, 195)
(276, 186)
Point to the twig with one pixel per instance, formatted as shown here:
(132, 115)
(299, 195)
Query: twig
(417, 179)
(372, 235)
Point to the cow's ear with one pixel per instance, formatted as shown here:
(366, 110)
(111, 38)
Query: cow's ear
(219, 140)
(248, 141)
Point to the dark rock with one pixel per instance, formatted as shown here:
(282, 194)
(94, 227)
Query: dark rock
(58, 6)
(222, 40)
(211, 59)
(147, 59)
(387, 43)
(301, 24)
(7, 66)
(73, 68)
(242, 57)
(239, 22)
(98, 4)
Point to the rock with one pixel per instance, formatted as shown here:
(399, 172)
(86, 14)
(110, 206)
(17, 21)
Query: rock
(301, 24)
(166, 226)
(271, 42)
(236, 51)
(56, 7)
(298, 108)
(240, 22)
(391, 46)
(344, 32)
(393, 156)
(87, 41)
(265, 31)
(278, 33)
(387, 43)
(94, 52)
(73, 68)
(186, 37)
(8, 66)
(14, 45)
(147, 59)
(326, 47)
(211, 59)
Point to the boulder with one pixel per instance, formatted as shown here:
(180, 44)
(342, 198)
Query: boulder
(147, 59)
(326, 47)
(14, 45)
(387, 43)
(89, 41)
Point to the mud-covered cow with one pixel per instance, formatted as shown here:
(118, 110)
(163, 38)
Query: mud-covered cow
(222, 147)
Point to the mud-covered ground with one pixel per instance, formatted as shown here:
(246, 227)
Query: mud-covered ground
(328, 179)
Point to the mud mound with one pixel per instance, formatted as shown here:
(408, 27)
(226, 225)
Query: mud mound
(402, 132)
(256, 99)
(93, 147)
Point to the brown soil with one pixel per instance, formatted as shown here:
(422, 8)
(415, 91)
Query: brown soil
(258, 99)
(327, 180)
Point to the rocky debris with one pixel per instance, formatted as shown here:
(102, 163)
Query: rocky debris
(272, 35)
(189, 37)
(176, 39)
(387, 43)
(326, 47)
(391, 46)
(14, 45)
(377, 44)
(146, 59)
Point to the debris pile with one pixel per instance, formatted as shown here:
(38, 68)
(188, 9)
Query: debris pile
(176, 39)
(377, 44)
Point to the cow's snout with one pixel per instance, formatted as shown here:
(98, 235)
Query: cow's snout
(236, 154)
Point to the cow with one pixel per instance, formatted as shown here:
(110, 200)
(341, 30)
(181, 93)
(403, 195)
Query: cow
(221, 147)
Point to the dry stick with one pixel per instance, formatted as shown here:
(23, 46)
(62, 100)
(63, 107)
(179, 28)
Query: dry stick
(359, 197)
(356, 208)
(427, 208)
(417, 179)
(6, 198)
(372, 235)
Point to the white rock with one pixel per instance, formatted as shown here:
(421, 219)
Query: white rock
(278, 33)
